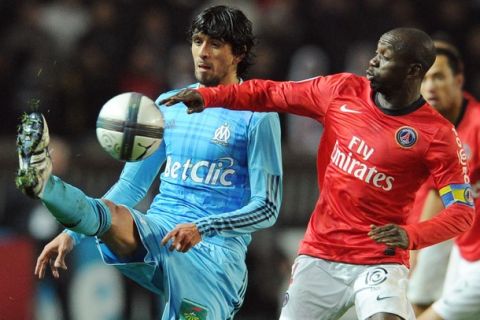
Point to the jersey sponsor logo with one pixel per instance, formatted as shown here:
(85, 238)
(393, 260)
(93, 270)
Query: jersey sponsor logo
(462, 156)
(222, 134)
(345, 108)
(347, 162)
(379, 297)
(406, 137)
(217, 172)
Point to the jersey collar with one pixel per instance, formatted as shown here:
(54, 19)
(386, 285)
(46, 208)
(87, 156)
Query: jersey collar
(399, 112)
(462, 112)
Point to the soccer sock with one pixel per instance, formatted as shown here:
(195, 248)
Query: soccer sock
(72, 208)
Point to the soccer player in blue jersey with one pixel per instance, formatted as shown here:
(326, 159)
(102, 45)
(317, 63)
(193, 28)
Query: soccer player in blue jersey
(222, 181)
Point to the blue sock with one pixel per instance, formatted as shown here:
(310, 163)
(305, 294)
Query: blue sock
(72, 208)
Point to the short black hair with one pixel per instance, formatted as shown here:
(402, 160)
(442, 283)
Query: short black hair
(230, 25)
(415, 44)
(454, 59)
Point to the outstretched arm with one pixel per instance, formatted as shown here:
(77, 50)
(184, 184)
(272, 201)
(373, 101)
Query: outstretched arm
(190, 97)
(310, 98)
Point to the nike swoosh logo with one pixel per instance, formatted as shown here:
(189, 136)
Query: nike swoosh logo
(344, 108)
(383, 298)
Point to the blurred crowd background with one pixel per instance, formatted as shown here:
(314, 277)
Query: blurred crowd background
(68, 57)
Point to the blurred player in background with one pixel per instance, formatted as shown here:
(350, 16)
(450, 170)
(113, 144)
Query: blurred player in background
(381, 141)
(222, 181)
(442, 88)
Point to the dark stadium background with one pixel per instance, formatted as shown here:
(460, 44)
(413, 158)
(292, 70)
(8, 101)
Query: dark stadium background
(67, 57)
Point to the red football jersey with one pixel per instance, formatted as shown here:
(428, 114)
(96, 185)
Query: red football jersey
(420, 198)
(370, 163)
(468, 128)
(469, 131)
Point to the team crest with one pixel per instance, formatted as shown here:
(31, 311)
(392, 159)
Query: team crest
(190, 310)
(406, 137)
(468, 194)
(222, 134)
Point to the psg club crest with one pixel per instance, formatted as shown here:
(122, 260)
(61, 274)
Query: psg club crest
(406, 137)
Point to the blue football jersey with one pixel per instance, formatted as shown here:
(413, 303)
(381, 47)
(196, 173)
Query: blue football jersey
(222, 171)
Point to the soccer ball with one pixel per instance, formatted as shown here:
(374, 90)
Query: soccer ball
(130, 127)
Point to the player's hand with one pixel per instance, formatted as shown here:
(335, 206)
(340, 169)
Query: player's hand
(189, 97)
(390, 234)
(184, 237)
(53, 255)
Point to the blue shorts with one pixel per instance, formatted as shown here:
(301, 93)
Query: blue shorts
(209, 281)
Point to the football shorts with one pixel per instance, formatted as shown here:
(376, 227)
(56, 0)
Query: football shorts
(321, 289)
(461, 292)
(207, 282)
(426, 281)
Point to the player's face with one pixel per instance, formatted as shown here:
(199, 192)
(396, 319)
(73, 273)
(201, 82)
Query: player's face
(440, 86)
(387, 70)
(214, 61)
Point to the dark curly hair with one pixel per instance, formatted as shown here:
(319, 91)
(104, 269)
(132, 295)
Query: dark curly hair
(230, 25)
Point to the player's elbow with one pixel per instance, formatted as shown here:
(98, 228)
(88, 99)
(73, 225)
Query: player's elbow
(469, 216)
(271, 210)
(465, 217)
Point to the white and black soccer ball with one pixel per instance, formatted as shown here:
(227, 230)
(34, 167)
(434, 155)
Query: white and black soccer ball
(130, 127)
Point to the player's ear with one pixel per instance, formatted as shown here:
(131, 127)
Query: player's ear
(459, 80)
(239, 57)
(415, 70)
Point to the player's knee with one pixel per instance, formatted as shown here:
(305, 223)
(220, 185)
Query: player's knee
(114, 208)
(122, 238)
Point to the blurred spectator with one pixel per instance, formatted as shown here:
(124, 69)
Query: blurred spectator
(266, 62)
(273, 27)
(26, 62)
(180, 66)
(358, 55)
(65, 21)
(472, 60)
(453, 17)
(86, 85)
(308, 61)
(155, 31)
(303, 134)
(140, 75)
(404, 13)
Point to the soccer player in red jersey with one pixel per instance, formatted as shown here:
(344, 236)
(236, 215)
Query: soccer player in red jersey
(442, 88)
(381, 141)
